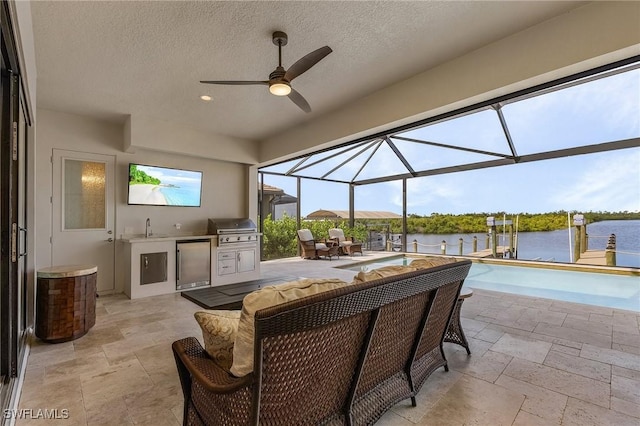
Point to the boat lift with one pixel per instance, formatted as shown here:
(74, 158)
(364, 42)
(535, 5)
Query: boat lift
(505, 251)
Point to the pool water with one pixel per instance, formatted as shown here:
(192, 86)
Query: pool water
(600, 289)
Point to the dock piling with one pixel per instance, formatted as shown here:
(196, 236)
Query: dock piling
(610, 251)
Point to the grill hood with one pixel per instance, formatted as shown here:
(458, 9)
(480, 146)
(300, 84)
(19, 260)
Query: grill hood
(231, 226)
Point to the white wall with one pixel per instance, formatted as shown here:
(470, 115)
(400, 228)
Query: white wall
(224, 188)
(147, 133)
(595, 34)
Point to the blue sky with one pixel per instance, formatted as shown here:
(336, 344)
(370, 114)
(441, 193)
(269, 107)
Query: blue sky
(603, 110)
(607, 181)
(172, 176)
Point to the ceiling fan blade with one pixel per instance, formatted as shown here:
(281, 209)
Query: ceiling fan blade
(235, 83)
(299, 100)
(306, 62)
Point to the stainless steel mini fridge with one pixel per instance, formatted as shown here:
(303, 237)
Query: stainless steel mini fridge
(193, 264)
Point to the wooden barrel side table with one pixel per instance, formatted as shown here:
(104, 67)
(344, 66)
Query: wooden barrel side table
(65, 302)
(454, 333)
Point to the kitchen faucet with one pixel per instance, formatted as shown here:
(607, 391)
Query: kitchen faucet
(147, 228)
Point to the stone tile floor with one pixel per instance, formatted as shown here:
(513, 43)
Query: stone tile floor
(533, 362)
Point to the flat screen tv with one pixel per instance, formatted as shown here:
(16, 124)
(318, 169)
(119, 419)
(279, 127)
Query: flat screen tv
(163, 186)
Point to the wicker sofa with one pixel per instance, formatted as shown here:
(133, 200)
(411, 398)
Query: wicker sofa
(343, 356)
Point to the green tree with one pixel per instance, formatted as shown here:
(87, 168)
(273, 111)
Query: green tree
(139, 177)
(279, 238)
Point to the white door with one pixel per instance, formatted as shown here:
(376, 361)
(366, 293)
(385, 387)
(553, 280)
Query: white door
(246, 260)
(83, 212)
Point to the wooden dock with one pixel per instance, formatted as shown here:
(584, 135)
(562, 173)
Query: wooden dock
(593, 257)
(489, 252)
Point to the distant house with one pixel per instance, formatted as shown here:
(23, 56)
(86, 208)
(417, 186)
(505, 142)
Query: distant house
(277, 203)
(358, 214)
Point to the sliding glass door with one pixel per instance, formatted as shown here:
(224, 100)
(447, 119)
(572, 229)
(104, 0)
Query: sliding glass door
(16, 301)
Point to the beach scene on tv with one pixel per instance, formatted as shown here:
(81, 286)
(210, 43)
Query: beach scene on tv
(160, 186)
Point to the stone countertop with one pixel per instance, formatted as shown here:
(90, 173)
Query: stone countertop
(66, 271)
(140, 238)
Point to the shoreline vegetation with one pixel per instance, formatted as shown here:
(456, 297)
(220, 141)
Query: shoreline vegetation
(470, 223)
(145, 189)
(279, 236)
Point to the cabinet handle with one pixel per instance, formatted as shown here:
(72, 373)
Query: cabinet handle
(146, 262)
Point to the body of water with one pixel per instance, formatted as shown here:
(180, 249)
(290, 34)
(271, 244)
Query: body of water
(613, 291)
(187, 194)
(552, 246)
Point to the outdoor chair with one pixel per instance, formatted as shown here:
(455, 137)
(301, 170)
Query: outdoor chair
(312, 249)
(346, 245)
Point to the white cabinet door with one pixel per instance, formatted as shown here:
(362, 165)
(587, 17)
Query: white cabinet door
(246, 260)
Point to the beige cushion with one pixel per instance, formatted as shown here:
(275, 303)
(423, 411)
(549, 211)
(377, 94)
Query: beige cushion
(388, 271)
(219, 330)
(429, 262)
(263, 298)
(337, 233)
(305, 235)
(385, 271)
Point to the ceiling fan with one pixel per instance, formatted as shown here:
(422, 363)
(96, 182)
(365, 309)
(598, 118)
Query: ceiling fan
(280, 80)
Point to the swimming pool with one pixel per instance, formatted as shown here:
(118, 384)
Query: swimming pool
(600, 289)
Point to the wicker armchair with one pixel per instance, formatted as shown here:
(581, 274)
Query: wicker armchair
(347, 245)
(312, 249)
(388, 334)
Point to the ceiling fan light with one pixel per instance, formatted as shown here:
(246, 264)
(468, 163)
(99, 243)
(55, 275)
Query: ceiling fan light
(280, 89)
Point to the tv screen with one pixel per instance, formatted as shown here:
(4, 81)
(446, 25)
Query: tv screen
(163, 186)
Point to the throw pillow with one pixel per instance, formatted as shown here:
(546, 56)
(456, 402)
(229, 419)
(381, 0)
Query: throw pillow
(385, 271)
(219, 330)
(429, 262)
(263, 298)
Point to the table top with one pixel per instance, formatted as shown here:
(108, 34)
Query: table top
(65, 271)
(465, 292)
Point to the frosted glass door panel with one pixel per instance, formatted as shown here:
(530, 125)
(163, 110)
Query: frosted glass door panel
(83, 206)
(84, 194)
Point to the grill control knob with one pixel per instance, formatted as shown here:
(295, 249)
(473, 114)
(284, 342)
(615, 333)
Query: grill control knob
(238, 238)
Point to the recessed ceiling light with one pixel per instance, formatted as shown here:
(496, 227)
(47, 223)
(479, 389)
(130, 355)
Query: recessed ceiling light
(206, 98)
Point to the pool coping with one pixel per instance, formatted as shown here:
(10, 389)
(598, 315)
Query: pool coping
(611, 270)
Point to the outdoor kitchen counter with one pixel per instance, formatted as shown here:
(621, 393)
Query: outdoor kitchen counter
(140, 238)
(156, 256)
(153, 256)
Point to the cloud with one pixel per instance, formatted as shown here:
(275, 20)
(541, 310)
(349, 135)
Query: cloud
(427, 193)
(610, 183)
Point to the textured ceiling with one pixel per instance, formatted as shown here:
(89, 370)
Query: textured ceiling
(113, 59)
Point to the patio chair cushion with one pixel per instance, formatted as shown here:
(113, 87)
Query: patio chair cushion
(385, 271)
(428, 262)
(321, 246)
(219, 329)
(266, 297)
(337, 233)
(305, 235)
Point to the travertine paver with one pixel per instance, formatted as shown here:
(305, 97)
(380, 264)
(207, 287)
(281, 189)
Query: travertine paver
(533, 362)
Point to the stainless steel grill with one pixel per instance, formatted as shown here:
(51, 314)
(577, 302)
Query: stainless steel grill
(233, 231)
